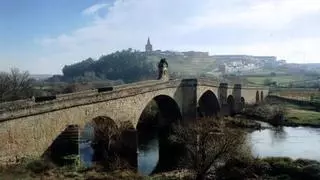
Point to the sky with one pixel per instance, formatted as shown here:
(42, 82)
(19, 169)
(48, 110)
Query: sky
(43, 36)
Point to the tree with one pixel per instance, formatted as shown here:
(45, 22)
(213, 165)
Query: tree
(15, 85)
(127, 65)
(267, 82)
(107, 143)
(206, 142)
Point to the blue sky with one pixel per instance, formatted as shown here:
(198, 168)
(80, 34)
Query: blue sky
(41, 36)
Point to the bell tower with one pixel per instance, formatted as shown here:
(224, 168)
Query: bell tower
(148, 46)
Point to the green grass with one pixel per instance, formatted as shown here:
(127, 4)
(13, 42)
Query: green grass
(278, 79)
(43, 87)
(303, 116)
(187, 66)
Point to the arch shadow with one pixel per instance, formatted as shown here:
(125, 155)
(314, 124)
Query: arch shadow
(261, 96)
(208, 105)
(64, 147)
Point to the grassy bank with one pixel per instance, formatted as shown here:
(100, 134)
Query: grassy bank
(34, 169)
(270, 168)
(41, 169)
(283, 113)
(279, 79)
(234, 168)
(303, 117)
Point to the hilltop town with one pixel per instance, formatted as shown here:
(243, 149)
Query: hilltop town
(214, 64)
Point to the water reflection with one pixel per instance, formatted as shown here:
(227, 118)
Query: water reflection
(86, 154)
(148, 148)
(148, 157)
(85, 149)
(294, 142)
(278, 135)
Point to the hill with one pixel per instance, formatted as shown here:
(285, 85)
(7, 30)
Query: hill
(126, 65)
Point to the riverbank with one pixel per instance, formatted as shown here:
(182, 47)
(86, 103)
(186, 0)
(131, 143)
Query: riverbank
(270, 168)
(280, 113)
(242, 122)
(41, 169)
(301, 117)
(252, 168)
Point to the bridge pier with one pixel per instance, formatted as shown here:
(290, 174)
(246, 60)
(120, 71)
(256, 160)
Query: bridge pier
(222, 94)
(236, 93)
(188, 93)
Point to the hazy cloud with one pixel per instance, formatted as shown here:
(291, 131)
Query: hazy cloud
(93, 9)
(260, 27)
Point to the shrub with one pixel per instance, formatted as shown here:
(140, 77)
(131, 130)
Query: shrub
(207, 142)
(274, 114)
(39, 166)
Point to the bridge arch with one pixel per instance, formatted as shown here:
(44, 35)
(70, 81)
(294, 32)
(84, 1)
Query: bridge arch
(208, 105)
(104, 133)
(163, 107)
(153, 130)
(231, 105)
(261, 96)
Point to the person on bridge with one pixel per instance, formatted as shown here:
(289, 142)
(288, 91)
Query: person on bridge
(162, 62)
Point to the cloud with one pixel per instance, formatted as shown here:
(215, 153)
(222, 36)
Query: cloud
(94, 9)
(260, 27)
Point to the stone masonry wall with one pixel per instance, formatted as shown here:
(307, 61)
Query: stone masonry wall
(30, 130)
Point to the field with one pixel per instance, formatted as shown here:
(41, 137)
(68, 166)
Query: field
(187, 66)
(297, 114)
(302, 116)
(278, 79)
(298, 95)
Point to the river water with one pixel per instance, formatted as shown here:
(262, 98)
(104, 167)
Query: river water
(294, 142)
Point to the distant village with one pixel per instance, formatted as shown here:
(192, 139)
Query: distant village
(224, 64)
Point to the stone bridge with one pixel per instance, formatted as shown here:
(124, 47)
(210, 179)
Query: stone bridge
(29, 127)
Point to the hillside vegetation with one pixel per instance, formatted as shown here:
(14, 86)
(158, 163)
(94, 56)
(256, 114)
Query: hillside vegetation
(127, 65)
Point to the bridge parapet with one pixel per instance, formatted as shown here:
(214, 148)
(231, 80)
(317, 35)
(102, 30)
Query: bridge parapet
(25, 103)
(32, 108)
(21, 108)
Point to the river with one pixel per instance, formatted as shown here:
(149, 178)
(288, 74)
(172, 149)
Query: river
(294, 142)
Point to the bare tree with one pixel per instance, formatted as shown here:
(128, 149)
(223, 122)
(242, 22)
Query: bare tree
(15, 85)
(207, 141)
(107, 143)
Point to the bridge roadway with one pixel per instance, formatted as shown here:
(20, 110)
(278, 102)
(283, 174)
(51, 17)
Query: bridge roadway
(28, 128)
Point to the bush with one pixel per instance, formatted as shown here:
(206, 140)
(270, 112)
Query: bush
(244, 168)
(107, 143)
(274, 114)
(207, 142)
(15, 85)
(39, 166)
(267, 82)
(311, 171)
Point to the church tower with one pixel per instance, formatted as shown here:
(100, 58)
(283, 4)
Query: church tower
(148, 46)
